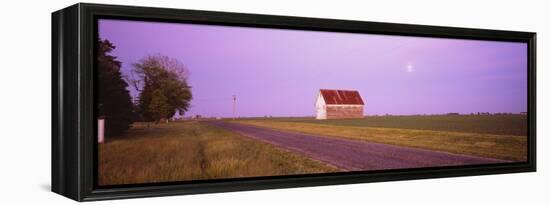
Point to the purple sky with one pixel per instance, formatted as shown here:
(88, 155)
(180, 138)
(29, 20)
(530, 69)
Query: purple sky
(279, 72)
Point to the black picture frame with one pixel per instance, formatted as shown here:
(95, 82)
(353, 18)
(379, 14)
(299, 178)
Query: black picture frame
(73, 129)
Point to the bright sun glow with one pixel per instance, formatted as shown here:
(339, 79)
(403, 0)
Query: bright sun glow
(410, 68)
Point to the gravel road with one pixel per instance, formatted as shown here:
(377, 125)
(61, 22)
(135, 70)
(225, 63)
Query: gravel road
(353, 155)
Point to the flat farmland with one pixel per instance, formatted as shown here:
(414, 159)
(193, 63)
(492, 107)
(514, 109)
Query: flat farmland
(489, 124)
(249, 147)
(497, 136)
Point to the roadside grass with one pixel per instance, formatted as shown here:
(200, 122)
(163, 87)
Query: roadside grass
(506, 147)
(184, 151)
(488, 124)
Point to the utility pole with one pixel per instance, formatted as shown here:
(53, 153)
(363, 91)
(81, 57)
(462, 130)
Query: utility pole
(234, 106)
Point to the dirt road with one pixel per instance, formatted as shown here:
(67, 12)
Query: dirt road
(353, 155)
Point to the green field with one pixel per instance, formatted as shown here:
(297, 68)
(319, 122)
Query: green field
(500, 136)
(490, 124)
(190, 151)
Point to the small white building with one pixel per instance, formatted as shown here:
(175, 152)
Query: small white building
(339, 104)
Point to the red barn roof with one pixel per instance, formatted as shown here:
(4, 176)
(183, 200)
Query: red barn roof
(341, 97)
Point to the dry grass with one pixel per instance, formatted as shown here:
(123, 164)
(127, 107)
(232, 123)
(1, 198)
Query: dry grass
(193, 151)
(507, 147)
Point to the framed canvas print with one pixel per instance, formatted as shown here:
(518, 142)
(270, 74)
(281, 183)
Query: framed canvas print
(156, 102)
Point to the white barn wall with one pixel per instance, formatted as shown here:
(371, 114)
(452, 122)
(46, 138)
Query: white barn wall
(344, 111)
(320, 108)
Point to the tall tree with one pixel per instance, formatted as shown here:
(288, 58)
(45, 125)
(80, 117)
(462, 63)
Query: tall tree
(114, 100)
(164, 88)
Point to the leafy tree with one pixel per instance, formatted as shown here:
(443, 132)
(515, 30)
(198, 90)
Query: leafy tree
(114, 100)
(159, 106)
(164, 88)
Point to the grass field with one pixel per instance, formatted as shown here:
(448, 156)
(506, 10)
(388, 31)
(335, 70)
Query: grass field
(456, 134)
(490, 124)
(192, 151)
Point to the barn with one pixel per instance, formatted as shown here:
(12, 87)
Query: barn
(339, 104)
